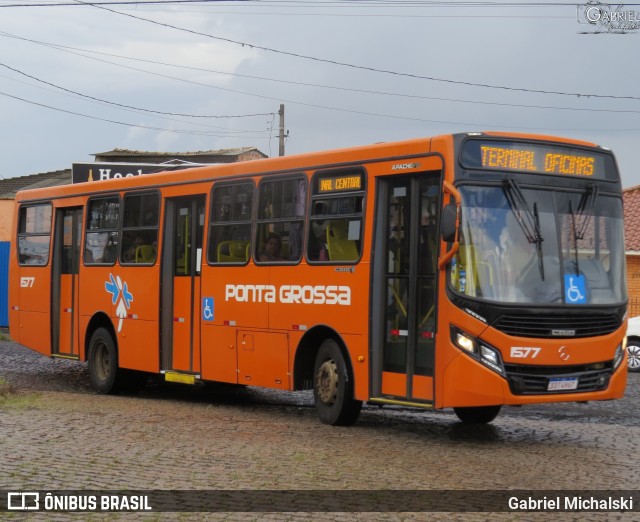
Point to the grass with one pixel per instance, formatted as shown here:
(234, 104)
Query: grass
(11, 398)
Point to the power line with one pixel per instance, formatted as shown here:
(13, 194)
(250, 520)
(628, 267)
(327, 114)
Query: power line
(326, 107)
(166, 118)
(262, 96)
(147, 127)
(354, 66)
(304, 84)
(317, 106)
(395, 14)
(297, 3)
(129, 106)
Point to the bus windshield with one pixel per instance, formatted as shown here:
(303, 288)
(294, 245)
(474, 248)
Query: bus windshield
(535, 246)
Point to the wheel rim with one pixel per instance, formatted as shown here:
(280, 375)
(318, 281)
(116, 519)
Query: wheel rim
(102, 361)
(634, 357)
(327, 382)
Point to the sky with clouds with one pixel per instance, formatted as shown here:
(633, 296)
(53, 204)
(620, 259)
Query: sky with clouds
(78, 79)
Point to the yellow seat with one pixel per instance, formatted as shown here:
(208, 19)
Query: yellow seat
(233, 251)
(145, 254)
(338, 246)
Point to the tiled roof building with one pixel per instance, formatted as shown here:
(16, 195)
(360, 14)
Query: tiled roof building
(632, 246)
(632, 220)
(202, 156)
(9, 186)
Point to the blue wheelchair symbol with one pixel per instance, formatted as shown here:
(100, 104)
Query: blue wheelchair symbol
(575, 289)
(207, 308)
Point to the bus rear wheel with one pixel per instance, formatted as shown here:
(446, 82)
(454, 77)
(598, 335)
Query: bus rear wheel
(333, 387)
(103, 362)
(477, 414)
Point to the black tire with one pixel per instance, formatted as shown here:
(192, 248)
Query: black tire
(333, 387)
(477, 414)
(103, 362)
(633, 355)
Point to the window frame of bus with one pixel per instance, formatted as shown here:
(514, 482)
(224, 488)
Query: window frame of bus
(117, 229)
(336, 194)
(473, 160)
(141, 227)
(213, 245)
(22, 213)
(267, 221)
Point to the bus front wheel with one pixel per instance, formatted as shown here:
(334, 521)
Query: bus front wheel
(333, 387)
(477, 414)
(103, 362)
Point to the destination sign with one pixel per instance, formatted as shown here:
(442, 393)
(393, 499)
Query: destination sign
(536, 158)
(340, 183)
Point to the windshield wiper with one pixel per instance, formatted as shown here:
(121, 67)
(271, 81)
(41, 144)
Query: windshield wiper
(583, 215)
(529, 221)
(536, 220)
(575, 237)
(585, 209)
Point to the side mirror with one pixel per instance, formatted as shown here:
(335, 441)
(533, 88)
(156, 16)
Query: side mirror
(449, 223)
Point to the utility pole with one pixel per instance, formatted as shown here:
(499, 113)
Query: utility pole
(281, 134)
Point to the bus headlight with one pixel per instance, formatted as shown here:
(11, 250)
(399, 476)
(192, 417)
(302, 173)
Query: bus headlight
(618, 356)
(465, 342)
(480, 351)
(491, 358)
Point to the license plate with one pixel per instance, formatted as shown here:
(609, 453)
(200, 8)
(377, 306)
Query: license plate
(563, 383)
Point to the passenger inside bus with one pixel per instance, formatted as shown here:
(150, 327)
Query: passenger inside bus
(129, 255)
(272, 248)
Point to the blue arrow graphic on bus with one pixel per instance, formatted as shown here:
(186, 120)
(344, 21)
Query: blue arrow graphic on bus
(112, 288)
(127, 296)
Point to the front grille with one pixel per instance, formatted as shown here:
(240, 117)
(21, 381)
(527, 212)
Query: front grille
(557, 326)
(534, 380)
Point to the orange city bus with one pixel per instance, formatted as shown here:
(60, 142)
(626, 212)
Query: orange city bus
(464, 271)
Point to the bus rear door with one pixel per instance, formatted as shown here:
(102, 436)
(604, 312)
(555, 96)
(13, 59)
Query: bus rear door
(404, 291)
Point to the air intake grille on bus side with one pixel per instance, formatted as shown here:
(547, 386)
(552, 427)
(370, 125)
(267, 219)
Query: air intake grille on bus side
(557, 326)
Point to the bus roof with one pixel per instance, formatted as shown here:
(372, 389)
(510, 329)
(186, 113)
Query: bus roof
(311, 160)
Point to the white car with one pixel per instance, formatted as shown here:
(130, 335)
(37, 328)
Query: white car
(633, 343)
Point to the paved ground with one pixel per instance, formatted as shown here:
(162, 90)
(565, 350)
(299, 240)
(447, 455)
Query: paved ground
(56, 434)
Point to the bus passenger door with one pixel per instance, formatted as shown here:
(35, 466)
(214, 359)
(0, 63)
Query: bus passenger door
(66, 282)
(404, 290)
(181, 264)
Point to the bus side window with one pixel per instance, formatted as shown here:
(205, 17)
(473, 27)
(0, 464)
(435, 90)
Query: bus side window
(34, 235)
(102, 235)
(281, 211)
(230, 230)
(335, 229)
(140, 228)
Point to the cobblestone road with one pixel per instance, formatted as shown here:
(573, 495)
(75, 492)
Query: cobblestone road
(57, 434)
